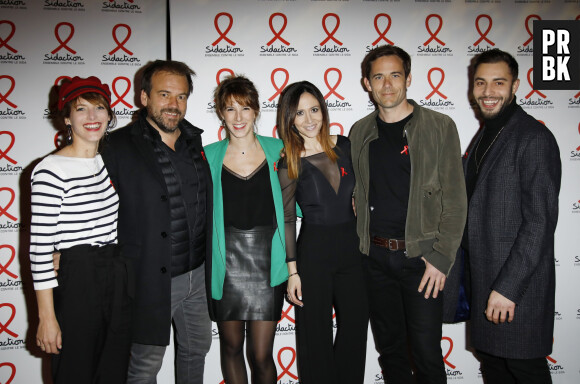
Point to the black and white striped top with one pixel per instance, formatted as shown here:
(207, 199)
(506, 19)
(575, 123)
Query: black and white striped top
(73, 202)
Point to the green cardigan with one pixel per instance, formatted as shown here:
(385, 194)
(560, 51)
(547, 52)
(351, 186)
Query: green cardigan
(215, 154)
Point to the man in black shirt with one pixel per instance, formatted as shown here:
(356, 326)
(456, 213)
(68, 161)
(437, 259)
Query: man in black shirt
(411, 207)
(158, 168)
(513, 178)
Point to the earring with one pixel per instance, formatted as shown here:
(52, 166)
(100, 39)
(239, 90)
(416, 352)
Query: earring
(107, 131)
(223, 123)
(69, 139)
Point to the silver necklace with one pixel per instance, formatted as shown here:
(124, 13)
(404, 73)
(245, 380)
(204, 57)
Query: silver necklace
(484, 153)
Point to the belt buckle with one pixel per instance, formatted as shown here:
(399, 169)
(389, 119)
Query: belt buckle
(391, 246)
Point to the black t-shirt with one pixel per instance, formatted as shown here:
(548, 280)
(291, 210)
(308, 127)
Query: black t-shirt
(390, 176)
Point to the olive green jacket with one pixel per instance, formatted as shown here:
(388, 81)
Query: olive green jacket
(437, 199)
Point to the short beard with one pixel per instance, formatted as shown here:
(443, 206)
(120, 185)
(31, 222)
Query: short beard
(157, 119)
(502, 110)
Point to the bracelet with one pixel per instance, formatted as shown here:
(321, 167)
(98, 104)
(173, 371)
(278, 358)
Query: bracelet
(292, 274)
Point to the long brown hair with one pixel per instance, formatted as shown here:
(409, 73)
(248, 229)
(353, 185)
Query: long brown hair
(293, 142)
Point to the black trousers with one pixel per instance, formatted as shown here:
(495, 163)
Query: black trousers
(330, 267)
(499, 370)
(402, 319)
(93, 310)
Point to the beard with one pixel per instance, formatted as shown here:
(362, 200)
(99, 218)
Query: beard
(164, 124)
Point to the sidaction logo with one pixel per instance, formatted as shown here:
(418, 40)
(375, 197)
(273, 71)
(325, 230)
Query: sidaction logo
(381, 32)
(120, 54)
(121, 107)
(334, 100)
(576, 207)
(436, 99)
(63, 53)
(574, 102)
(228, 47)
(8, 109)
(8, 222)
(555, 367)
(434, 46)
(527, 49)
(64, 4)
(10, 55)
(9, 339)
(483, 43)
(7, 140)
(9, 280)
(535, 99)
(279, 79)
(220, 75)
(287, 324)
(331, 45)
(451, 370)
(21, 4)
(278, 45)
(127, 6)
(286, 359)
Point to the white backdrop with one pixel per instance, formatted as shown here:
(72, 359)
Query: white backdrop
(274, 43)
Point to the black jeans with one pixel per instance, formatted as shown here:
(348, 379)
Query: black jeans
(400, 315)
(498, 370)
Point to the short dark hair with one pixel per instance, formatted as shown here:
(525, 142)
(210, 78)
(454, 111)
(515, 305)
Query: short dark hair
(496, 56)
(385, 50)
(174, 67)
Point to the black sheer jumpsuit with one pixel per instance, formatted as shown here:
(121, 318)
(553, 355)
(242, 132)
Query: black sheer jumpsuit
(330, 268)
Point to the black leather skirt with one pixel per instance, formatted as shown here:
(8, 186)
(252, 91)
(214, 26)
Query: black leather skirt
(247, 291)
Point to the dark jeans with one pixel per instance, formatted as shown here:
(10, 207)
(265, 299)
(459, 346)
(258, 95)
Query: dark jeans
(400, 315)
(499, 370)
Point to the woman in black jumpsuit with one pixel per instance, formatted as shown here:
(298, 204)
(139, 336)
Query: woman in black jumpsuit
(325, 269)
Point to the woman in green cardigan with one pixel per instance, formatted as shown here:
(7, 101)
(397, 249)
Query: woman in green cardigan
(248, 257)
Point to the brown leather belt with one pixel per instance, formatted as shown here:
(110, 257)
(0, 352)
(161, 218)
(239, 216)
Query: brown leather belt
(390, 244)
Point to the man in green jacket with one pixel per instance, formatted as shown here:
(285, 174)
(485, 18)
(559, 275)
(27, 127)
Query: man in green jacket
(411, 206)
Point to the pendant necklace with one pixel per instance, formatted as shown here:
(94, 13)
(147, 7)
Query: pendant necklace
(484, 153)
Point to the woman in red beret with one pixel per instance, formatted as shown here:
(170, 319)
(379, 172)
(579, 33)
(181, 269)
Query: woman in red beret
(84, 312)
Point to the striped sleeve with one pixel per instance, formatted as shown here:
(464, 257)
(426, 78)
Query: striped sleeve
(46, 201)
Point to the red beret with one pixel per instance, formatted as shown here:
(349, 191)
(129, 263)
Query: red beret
(70, 90)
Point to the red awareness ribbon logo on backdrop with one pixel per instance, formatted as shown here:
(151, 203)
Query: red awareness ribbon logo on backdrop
(483, 34)
(120, 99)
(4, 97)
(278, 34)
(286, 368)
(330, 35)
(121, 45)
(435, 88)
(223, 35)
(4, 210)
(4, 267)
(68, 38)
(285, 312)
(448, 352)
(383, 34)
(4, 42)
(60, 78)
(218, 75)
(577, 95)
(4, 327)
(340, 127)
(532, 85)
(272, 79)
(578, 149)
(332, 89)
(4, 152)
(530, 32)
(433, 34)
(12, 371)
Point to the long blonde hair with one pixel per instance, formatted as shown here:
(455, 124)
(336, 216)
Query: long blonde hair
(293, 141)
